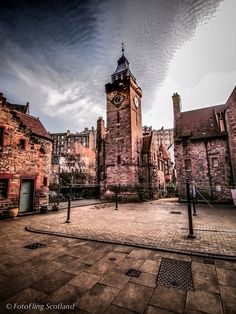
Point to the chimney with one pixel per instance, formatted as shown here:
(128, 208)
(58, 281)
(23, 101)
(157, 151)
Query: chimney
(176, 106)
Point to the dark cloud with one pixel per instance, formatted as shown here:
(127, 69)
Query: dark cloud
(59, 54)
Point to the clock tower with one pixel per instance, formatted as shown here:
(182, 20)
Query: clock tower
(123, 140)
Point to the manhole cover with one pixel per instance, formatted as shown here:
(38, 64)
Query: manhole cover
(35, 246)
(175, 274)
(112, 259)
(133, 273)
(175, 212)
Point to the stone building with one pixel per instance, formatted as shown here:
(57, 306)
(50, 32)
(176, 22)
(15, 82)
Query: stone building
(165, 137)
(79, 147)
(205, 148)
(126, 158)
(25, 159)
(62, 142)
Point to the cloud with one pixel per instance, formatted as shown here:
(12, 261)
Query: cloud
(60, 55)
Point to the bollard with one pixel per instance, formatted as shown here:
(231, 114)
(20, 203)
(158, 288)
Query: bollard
(194, 203)
(69, 205)
(116, 198)
(190, 221)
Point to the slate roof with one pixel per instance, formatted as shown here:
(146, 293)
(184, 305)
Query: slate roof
(32, 124)
(199, 123)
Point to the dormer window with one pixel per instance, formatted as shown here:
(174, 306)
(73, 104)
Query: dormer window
(221, 121)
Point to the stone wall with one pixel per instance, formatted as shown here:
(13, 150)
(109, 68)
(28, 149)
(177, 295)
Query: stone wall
(209, 169)
(231, 128)
(17, 163)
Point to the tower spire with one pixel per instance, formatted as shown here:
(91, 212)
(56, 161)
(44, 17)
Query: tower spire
(122, 48)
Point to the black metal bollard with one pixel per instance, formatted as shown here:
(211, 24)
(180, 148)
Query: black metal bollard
(69, 205)
(194, 202)
(116, 198)
(190, 221)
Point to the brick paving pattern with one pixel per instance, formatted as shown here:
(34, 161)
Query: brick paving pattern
(150, 225)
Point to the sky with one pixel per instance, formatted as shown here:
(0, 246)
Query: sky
(58, 55)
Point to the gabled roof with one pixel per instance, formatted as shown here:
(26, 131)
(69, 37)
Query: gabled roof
(32, 124)
(164, 152)
(200, 122)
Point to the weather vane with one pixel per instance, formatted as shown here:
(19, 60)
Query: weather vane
(122, 48)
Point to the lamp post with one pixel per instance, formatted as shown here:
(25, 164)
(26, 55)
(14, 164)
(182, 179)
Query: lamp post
(190, 221)
(71, 169)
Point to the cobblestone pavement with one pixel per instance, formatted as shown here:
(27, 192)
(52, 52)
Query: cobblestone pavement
(81, 276)
(158, 224)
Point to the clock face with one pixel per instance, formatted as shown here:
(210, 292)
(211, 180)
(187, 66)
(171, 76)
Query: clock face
(117, 100)
(136, 102)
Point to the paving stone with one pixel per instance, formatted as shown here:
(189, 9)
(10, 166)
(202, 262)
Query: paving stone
(21, 300)
(162, 296)
(155, 310)
(115, 278)
(150, 266)
(228, 294)
(203, 268)
(65, 258)
(139, 253)
(225, 265)
(157, 256)
(53, 281)
(134, 297)
(205, 301)
(145, 279)
(128, 263)
(226, 277)
(97, 299)
(101, 267)
(205, 281)
(75, 267)
(115, 257)
(124, 248)
(229, 308)
(66, 294)
(112, 309)
(84, 281)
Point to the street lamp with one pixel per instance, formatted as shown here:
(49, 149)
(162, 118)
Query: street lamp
(71, 166)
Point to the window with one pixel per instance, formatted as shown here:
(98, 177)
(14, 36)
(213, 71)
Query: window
(3, 188)
(188, 165)
(118, 160)
(118, 117)
(1, 137)
(214, 161)
(22, 143)
(45, 181)
(185, 142)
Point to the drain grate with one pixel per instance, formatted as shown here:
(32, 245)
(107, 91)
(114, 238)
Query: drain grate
(175, 274)
(133, 273)
(175, 212)
(35, 246)
(112, 259)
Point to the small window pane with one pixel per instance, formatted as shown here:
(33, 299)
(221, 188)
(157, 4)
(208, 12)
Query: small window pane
(3, 188)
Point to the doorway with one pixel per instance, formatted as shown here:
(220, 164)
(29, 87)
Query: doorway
(26, 196)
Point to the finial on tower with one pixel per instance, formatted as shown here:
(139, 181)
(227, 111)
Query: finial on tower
(122, 48)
